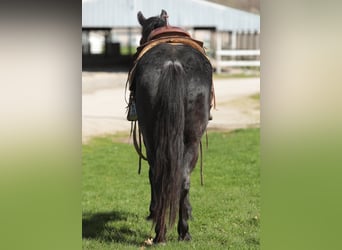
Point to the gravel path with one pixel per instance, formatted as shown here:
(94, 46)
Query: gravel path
(104, 106)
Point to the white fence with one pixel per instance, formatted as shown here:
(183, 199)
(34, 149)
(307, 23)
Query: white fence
(233, 62)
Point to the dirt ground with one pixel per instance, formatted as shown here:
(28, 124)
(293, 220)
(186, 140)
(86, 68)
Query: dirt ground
(104, 106)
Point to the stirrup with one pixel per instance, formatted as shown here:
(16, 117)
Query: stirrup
(132, 112)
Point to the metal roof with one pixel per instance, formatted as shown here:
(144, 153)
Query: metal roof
(183, 13)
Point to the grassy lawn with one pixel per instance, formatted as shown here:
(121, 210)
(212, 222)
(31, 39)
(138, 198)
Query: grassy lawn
(256, 96)
(226, 210)
(242, 74)
(124, 50)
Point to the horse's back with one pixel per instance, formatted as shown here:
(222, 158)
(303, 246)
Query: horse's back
(197, 69)
(195, 64)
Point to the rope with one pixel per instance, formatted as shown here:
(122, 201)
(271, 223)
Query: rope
(136, 145)
(139, 170)
(201, 163)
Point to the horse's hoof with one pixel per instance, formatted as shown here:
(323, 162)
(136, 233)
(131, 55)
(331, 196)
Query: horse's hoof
(149, 217)
(186, 237)
(161, 243)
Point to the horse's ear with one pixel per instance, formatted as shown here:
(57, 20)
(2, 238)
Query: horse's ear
(141, 18)
(163, 14)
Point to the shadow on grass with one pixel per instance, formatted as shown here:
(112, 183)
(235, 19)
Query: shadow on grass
(111, 227)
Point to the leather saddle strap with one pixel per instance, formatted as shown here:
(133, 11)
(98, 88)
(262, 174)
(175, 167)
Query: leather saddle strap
(174, 40)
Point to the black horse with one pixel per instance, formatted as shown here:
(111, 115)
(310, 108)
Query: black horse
(172, 86)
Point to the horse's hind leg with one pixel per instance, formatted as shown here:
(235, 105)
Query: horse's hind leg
(152, 203)
(190, 159)
(184, 211)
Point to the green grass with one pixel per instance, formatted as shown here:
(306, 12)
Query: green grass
(256, 96)
(124, 50)
(235, 75)
(226, 210)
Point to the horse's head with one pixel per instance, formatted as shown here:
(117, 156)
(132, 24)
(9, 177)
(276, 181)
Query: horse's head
(151, 23)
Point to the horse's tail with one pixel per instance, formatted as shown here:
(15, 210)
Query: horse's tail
(169, 143)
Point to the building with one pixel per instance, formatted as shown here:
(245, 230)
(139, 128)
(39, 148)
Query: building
(110, 30)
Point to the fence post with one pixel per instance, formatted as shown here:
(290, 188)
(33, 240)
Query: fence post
(233, 46)
(218, 48)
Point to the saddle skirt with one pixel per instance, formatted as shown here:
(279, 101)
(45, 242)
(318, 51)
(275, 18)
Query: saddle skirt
(167, 31)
